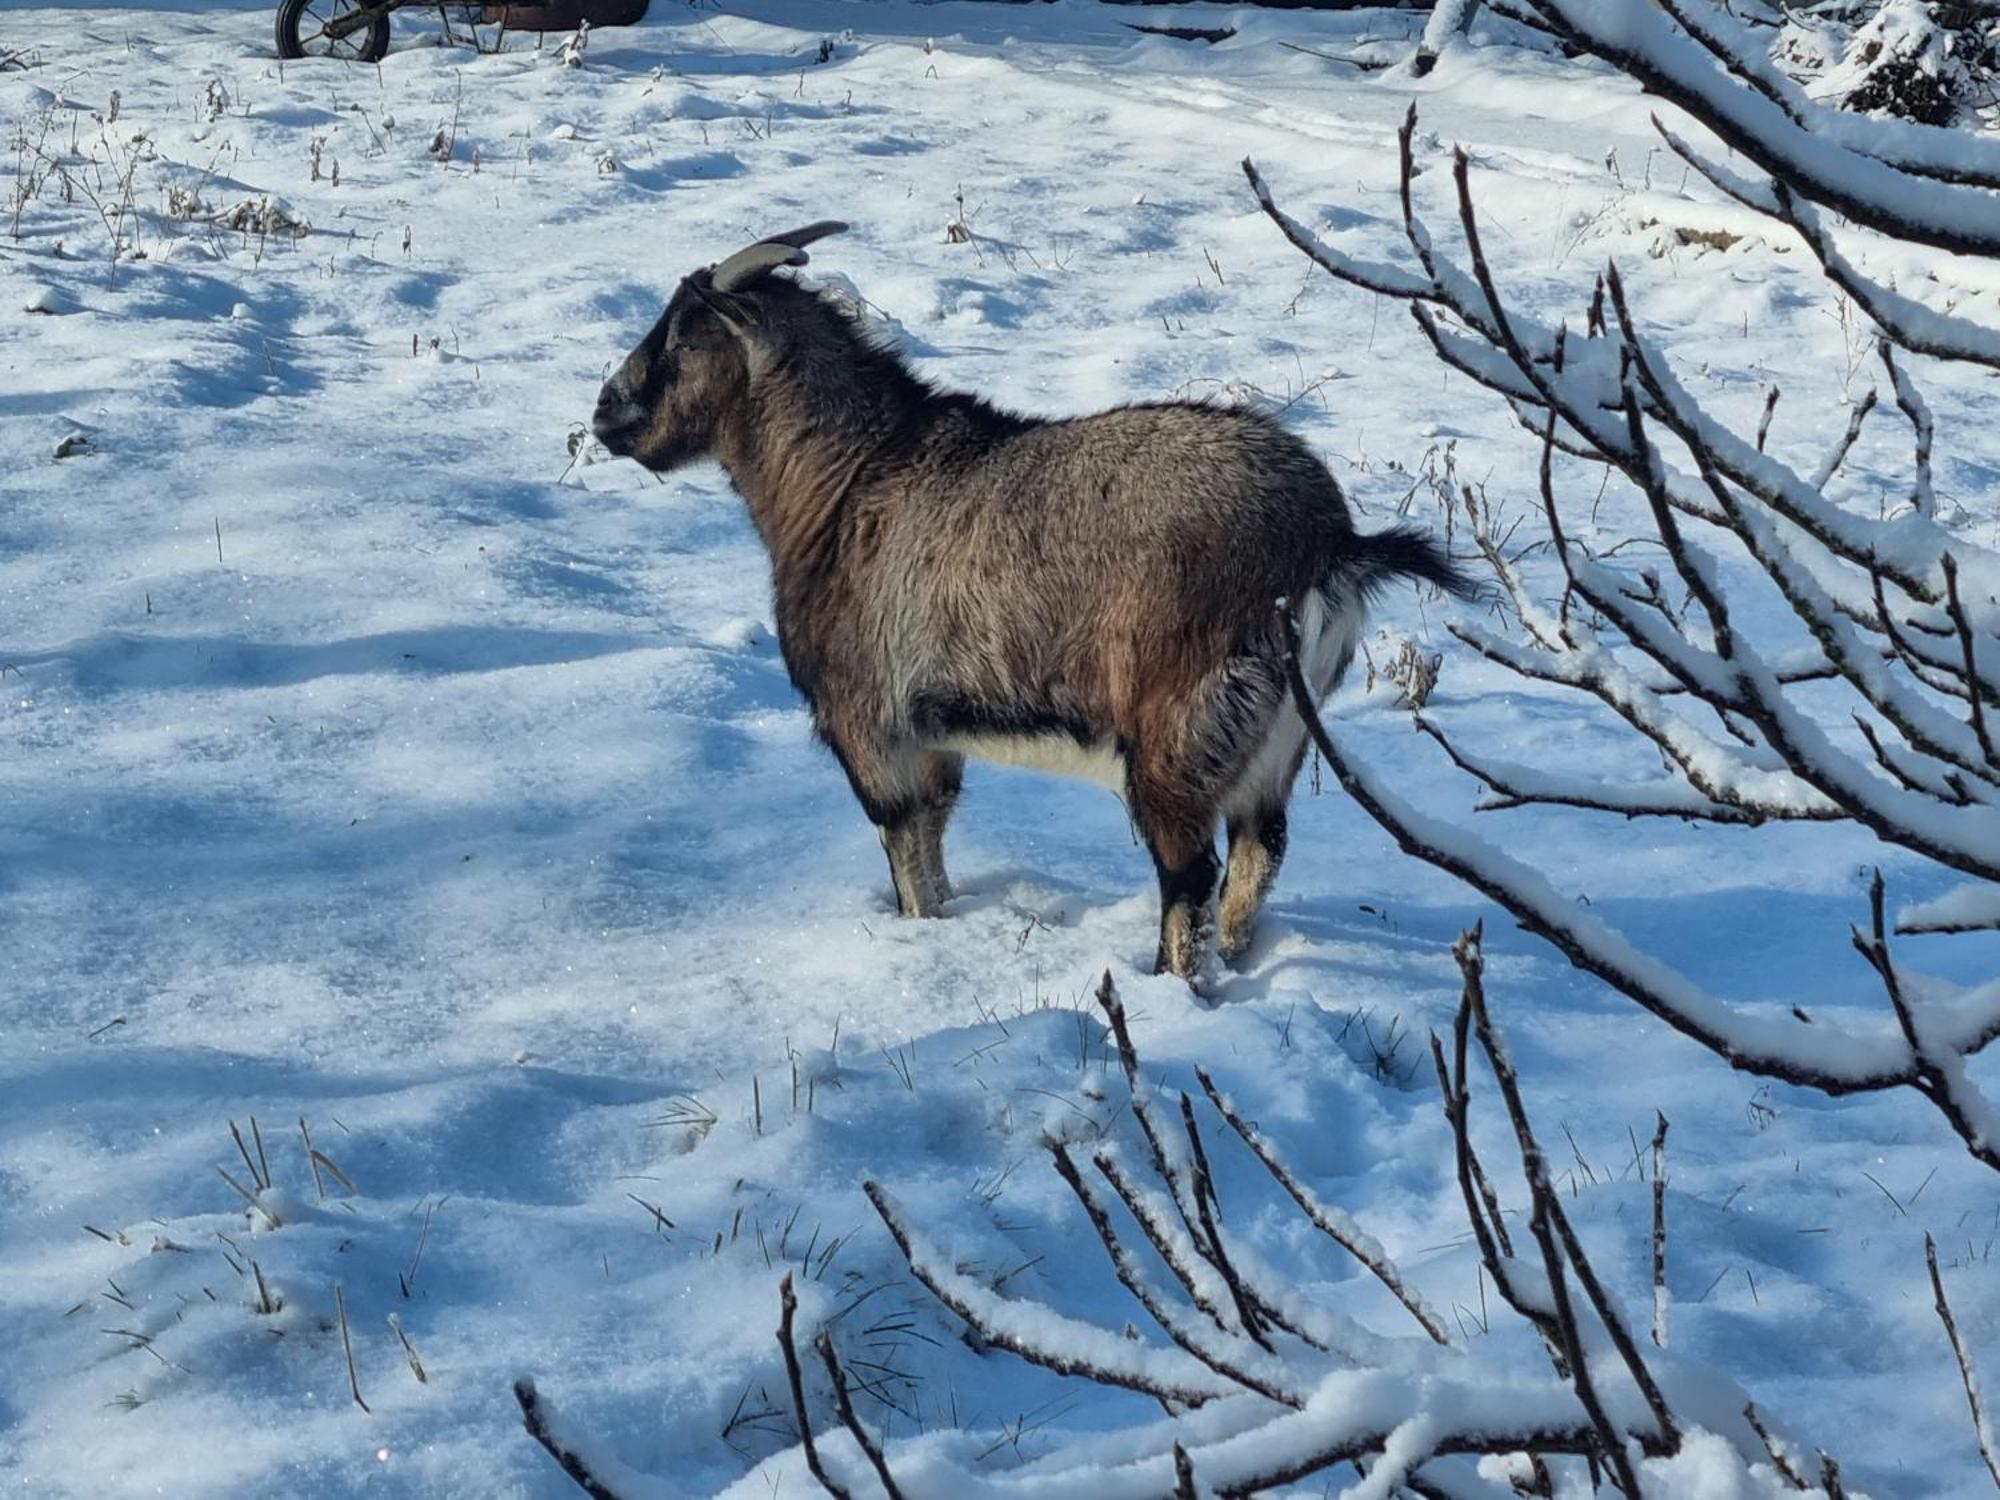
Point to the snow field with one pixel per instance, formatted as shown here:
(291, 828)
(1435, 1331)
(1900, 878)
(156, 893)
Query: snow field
(369, 763)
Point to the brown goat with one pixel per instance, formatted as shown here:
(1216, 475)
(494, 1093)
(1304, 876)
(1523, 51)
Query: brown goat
(1095, 595)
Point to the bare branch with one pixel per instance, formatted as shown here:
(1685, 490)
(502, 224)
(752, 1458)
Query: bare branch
(1911, 403)
(1982, 1429)
(1912, 325)
(789, 1304)
(1830, 465)
(1660, 1230)
(1937, 152)
(1972, 679)
(823, 1341)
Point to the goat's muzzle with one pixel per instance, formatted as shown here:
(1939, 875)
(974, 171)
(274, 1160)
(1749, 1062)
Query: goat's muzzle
(617, 419)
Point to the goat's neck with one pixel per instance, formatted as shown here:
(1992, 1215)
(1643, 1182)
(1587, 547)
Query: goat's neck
(805, 436)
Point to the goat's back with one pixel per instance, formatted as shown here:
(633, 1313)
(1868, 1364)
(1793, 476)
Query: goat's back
(1074, 568)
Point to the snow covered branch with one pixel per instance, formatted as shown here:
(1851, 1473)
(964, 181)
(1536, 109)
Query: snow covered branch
(1261, 1383)
(1920, 184)
(1902, 612)
(535, 1418)
(1280, 1404)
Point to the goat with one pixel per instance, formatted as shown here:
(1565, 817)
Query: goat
(1094, 595)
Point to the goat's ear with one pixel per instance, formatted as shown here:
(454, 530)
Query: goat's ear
(736, 314)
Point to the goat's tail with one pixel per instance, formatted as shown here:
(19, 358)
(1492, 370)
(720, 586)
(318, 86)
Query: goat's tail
(1379, 559)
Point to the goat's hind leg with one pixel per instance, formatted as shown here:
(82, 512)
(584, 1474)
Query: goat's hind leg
(1256, 848)
(1258, 827)
(1255, 808)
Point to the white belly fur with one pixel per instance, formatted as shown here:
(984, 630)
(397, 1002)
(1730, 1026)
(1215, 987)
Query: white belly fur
(1058, 754)
(1328, 632)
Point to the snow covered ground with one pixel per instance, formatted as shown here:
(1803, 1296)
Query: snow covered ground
(366, 763)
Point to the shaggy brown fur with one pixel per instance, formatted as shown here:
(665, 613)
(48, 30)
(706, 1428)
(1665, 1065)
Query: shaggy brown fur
(1094, 594)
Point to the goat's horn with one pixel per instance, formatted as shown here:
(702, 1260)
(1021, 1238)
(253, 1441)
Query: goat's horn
(749, 264)
(798, 239)
(787, 249)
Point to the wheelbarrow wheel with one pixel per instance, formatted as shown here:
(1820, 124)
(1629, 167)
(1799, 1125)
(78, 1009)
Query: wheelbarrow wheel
(311, 28)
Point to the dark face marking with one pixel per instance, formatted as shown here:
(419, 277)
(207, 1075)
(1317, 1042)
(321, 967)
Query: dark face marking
(662, 404)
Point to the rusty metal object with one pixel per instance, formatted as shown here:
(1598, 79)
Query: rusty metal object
(564, 15)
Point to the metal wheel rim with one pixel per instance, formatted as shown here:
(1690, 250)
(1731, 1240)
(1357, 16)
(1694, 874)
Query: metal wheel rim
(312, 35)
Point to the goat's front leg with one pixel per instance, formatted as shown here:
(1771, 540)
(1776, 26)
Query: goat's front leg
(1187, 867)
(889, 782)
(943, 774)
(1180, 834)
(908, 844)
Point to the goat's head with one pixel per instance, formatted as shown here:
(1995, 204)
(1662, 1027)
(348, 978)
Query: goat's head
(663, 404)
